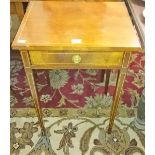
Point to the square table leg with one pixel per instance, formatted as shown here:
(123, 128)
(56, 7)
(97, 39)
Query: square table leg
(31, 82)
(108, 71)
(118, 90)
(19, 10)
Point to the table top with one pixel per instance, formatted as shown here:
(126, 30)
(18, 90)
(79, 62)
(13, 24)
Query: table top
(60, 25)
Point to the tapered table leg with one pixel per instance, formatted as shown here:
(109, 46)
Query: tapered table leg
(102, 75)
(19, 10)
(119, 87)
(107, 80)
(31, 82)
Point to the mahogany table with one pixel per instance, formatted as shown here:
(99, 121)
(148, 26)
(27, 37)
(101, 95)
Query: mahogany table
(76, 35)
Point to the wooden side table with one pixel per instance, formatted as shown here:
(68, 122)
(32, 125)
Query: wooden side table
(76, 35)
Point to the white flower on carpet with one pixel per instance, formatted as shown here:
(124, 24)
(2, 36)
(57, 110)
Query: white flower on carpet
(77, 89)
(18, 135)
(16, 146)
(15, 66)
(91, 71)
(28, 101)
(13, 100)
(98, 100)
(13, 81)
(45, 98)
(58, 78)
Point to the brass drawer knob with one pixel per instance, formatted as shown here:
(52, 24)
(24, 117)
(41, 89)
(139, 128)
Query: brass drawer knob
(76, 59)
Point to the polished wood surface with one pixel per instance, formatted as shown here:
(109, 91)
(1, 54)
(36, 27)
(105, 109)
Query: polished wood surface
(66, 60)
(19, 0)
(118, 90)
(60, 25)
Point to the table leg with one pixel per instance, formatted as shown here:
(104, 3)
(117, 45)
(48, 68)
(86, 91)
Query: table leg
(102, 75)
(19, 10)
(107, 80)
(119, 86)
(31, 82)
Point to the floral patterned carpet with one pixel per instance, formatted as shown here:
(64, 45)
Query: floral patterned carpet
(75, 135)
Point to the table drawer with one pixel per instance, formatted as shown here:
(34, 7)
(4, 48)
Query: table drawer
(85, 59)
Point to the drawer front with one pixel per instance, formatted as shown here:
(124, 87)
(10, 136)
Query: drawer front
(93, 59)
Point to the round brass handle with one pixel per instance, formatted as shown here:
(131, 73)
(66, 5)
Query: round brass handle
(76, 59)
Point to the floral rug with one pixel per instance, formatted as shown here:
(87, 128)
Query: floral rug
(76, 135)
